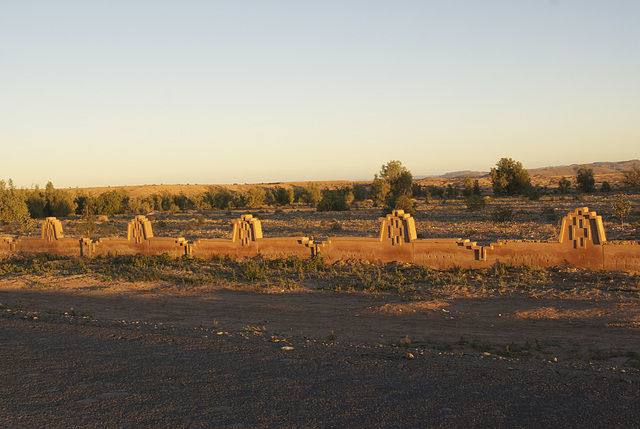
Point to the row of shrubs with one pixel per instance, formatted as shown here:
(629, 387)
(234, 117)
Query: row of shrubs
(16, 204)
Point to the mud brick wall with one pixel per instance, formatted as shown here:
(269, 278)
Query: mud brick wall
(582, 243)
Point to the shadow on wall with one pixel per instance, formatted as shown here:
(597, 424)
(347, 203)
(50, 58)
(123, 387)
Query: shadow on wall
(582, 244)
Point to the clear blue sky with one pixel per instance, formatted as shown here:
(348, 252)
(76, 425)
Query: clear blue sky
(96, 93)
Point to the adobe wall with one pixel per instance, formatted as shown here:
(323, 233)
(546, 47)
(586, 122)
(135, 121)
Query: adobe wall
(51, 240)
(243, 244)
(140, 240)
(621, 256)
(582, 243)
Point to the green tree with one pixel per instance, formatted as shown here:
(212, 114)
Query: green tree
(393, 182)
(13, 207)
(140, 205)
(62, 204)
(380, 188)
(36, 203)
(59, 203)
(109, 203)
(585, 180)
(359, 192)
(312, 194)
(399, 178)
(509, 177)
(284, 196)
(254, 197)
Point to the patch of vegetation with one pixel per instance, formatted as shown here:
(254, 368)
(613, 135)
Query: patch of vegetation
(481, 346)
(585, 180)
(502, 214)
(405, 342)
(407, 280)
(516, 350)
(256, 329)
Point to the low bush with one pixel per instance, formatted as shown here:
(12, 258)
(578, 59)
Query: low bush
(502, 214)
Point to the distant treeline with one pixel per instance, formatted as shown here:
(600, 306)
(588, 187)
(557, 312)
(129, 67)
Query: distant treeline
(16, 204)
(391, 191)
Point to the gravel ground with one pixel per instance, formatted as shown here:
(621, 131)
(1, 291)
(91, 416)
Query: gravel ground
(76, 372)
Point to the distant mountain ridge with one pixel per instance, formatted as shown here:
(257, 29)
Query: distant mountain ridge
(561, 170)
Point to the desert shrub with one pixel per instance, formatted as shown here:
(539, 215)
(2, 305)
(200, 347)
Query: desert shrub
(509, 177)
(469, 189)
(403, 202)
(349, 198)
(418, 190)
(532, 193)
(140, 205)
(359, 192)
(219, 198)
(605, 187)
(335, 226)
(332, 200)
(109, 203)
(585, 180)
(632, 178)
(183, 202)
(502, 214)
(253, 270)
(564, 185)
(549, 213)
(452, 191)
(475, 203)
(621, 206)
(435, 191)
(476, 187)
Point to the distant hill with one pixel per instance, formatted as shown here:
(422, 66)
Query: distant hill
(562, 170)
(598, 168)
(542, 176)
(464, 173)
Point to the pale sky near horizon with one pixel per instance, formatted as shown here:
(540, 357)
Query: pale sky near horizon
(127, 92)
